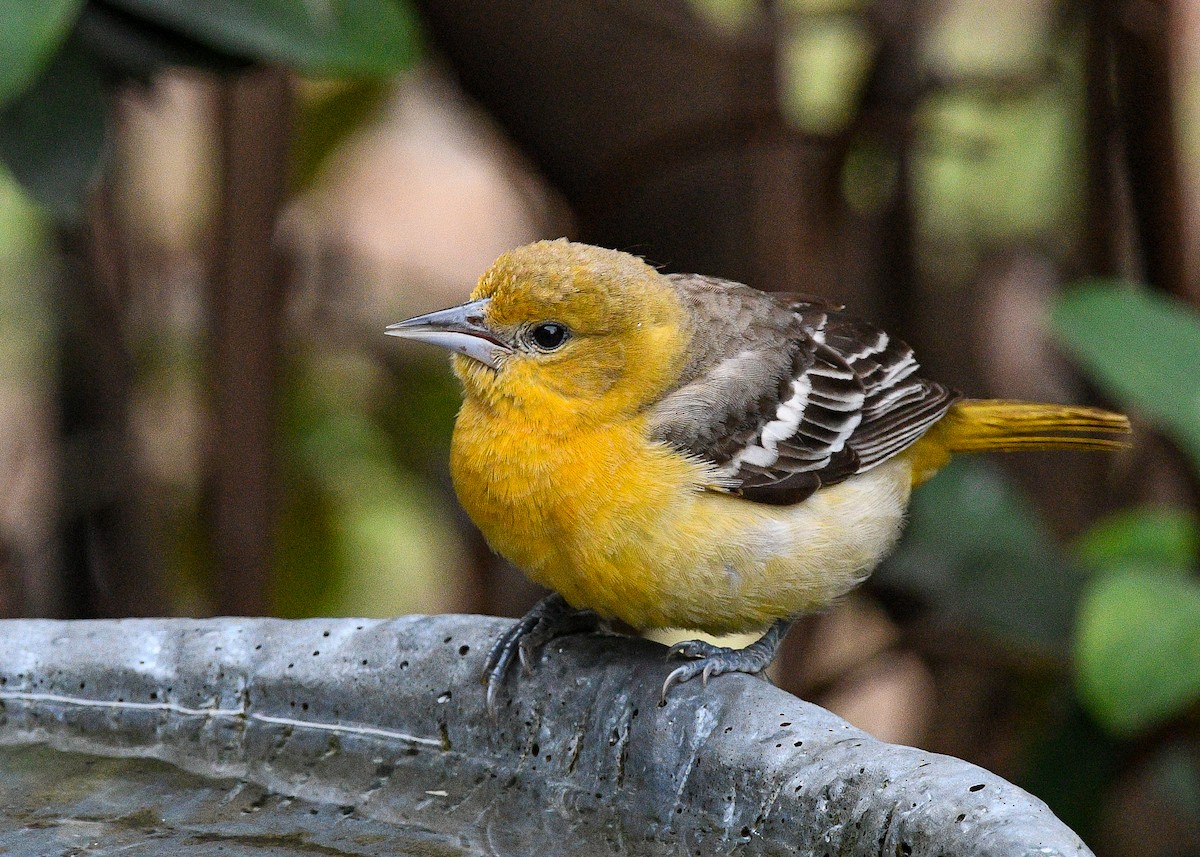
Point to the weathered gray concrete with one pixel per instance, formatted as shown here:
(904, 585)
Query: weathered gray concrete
(347, 736)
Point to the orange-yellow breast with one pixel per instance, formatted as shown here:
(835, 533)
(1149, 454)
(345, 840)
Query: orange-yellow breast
(626, 527)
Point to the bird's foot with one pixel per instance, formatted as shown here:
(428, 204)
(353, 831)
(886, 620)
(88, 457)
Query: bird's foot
(550, 618)
(707, 660)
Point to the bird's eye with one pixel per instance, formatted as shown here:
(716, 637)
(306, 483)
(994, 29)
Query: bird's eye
(549, 335)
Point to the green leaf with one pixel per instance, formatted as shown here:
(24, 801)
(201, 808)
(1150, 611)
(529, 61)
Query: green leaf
(326, 121)
(977, 551)
(1137, 649)
(27, 311)
(52, 137)
(727, 16)
(359, 535)
(822, 68)
(370, 38)
(1165, 538)
(30, 32)
(1142, 348)
(991, 169)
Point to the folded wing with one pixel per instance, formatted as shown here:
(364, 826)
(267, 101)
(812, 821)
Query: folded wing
(788, 395)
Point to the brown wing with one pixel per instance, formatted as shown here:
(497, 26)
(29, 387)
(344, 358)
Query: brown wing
(792, 394)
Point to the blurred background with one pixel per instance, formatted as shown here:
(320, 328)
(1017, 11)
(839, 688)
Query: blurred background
(209, 212)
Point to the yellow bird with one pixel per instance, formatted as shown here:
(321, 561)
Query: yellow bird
(680, 451)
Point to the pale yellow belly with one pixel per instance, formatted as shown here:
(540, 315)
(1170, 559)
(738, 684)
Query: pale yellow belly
(658, 553)
(721, 564)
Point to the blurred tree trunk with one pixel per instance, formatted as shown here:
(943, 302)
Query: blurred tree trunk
(246, 306)
(1136, 194)
(109, 567)
(664, 134)
(1141, 35)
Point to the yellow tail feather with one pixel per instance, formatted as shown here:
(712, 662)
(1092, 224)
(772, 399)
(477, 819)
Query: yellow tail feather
(996, 425)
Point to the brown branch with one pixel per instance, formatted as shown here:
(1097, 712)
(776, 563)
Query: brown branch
(1142, 63)
(1135, 185)
(1104, 229)
(247, 310)
(107, 565)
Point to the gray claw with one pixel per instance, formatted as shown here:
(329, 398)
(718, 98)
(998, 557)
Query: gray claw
(525, 652)
(493, 688)
(677, 675)
(707, 660)
(551, 617)
(695, 650)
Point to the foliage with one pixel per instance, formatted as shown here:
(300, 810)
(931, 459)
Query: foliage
(66, 57)
(1138, 647)
(1144, 537)
(32, 32)
(974, 536)
(329, 114)
(1143, 349)
(1137, 651)
(1128, 602)
(362, 534)
(1123, 601)
(368, 38)
(24, 318)
(52, 137)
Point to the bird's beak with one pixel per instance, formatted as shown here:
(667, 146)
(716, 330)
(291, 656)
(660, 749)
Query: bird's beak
(460, 328)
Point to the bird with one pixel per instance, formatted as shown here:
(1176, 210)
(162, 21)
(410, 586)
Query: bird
(682, 451)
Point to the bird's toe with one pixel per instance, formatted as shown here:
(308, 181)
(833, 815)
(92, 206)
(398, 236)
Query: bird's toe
(695, 650)
(711, 661)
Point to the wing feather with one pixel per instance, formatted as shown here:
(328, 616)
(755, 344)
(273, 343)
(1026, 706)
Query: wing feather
(789, 393)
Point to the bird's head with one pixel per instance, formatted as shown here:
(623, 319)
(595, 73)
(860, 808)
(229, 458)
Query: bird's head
(561, 329)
